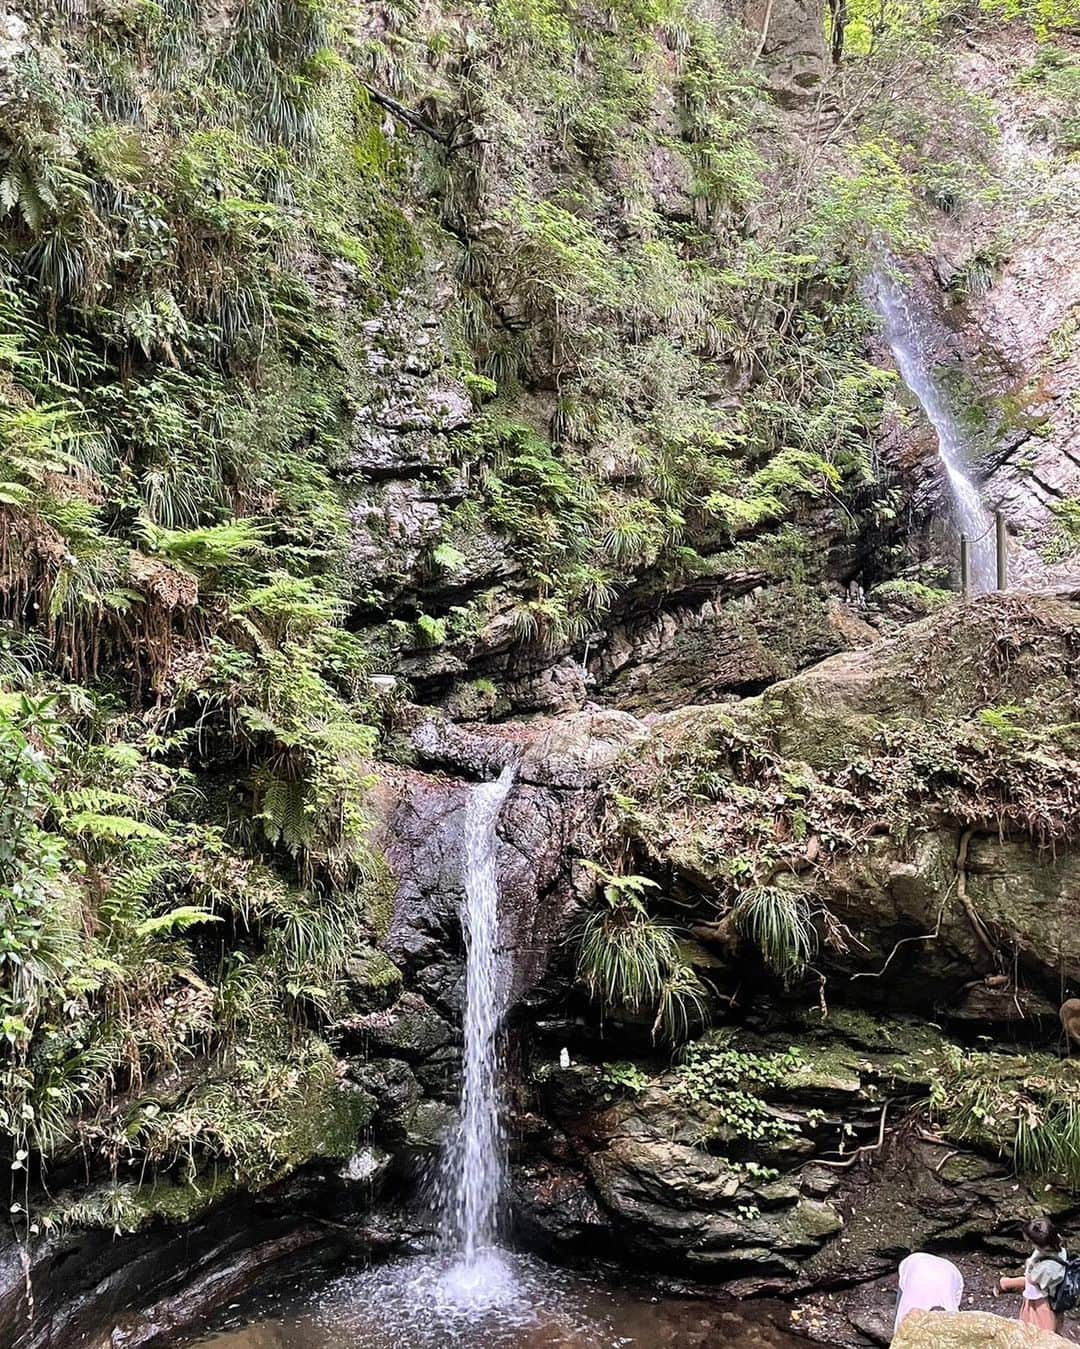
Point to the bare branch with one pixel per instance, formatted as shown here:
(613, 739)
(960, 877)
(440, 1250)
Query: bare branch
(406, 115)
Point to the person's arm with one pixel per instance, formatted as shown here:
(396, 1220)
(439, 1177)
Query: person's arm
(1007, 1285)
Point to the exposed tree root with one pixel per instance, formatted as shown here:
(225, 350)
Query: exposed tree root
(977, 925)
(846, 1162)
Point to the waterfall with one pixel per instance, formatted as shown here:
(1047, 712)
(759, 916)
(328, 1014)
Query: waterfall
(474, 1161)
(906, 336)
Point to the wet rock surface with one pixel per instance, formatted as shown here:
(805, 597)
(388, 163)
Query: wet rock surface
(94, 1287)
(560, 764)
(816, 1191)
(1002, 299)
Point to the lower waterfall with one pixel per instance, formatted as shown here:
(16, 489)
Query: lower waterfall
(473, 1166)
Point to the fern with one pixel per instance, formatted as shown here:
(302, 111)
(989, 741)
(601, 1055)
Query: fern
(111, 828)
(284, 813)
(209, 548)
(176, 920)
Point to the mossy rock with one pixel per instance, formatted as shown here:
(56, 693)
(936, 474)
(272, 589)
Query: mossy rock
(886, 1049)
(570, 1091)
(409, 1029)
(381, 892)
(827, 1074)
(327, 1125)
(993, 651)
(429, 1125)
(964, 1167)
(393, 1085)
(129, 1206)
(806, 1225)
(373, 981)
(881, 1034)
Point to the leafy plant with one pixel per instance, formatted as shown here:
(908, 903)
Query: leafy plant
(628, 959)
(734, 1085)
(1023, 1108)
(777, 921)
(620, 1078)
(210, 548)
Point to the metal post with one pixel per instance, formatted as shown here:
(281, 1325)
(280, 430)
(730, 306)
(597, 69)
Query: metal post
(1002, 552)
(965, 566)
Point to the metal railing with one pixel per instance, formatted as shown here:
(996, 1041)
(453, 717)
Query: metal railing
(1001, 540)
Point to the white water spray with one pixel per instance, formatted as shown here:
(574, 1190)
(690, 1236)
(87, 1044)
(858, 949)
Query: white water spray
(474, 1161)
(906, 339)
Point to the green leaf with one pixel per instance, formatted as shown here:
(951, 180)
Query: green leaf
(176, 920)
(111, 828)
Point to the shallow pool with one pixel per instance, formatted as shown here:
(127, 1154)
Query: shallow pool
(505, 1301)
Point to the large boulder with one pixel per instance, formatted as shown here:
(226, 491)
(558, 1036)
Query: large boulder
(970, 1330)
(921, 799)
(921, 796)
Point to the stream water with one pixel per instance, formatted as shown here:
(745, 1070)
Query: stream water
(405, 1306)
(905, 333)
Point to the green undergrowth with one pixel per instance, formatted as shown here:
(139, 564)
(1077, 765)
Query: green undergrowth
(129, 1205)
(163, 970)
(1024, 1108)
(667, 380)
(254, 1115)
(1054, 76)
(196, 218)
(735, 1085)
(631, 962)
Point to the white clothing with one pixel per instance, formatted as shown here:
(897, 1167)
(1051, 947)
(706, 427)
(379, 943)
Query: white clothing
(928, 1282)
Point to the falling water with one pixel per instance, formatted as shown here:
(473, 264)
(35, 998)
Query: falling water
(473, 1165)
(906, 339)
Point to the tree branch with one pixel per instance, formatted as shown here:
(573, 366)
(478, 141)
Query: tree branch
(406, 115)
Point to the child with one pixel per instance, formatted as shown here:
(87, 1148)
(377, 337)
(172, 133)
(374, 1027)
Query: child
(1043, 1272)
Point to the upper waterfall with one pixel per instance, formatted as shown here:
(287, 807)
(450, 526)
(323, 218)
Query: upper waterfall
(907, 340)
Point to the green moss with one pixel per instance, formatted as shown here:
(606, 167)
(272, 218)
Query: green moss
(883, 1035)
(380, 893)
(1023, 1107)
(317, 1117)
(1066, 537)
(129, 1206)
(915, 597)
(330, 1120)
(474, 700)
(374, 979)
(428, 1126)
(861, 1051)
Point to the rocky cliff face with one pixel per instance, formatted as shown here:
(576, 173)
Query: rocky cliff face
(394, 395)
(1002, 282)
(914, 802)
